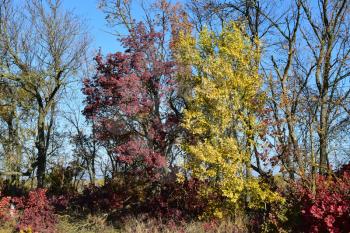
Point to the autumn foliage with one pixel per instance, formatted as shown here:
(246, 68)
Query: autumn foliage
(223, 102)
(329, 206)
(130, 98)
(188, 125)
(31, 213)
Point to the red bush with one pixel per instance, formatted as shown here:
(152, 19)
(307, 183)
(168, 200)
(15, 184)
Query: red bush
(38, 215)
(178, 201)
(60, 202)
(98, 199)
(9, 212)
(5, 203)
(164, 199)
(329, 208)
(32, 212)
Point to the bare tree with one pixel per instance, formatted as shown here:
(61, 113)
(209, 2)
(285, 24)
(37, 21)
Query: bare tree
(86, 145)
(15, 108)
(326, 34)
(44, 46)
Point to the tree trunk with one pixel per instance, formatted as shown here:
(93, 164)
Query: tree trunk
(323, 138)
(92, 172)
(323, 131)
(41, 147)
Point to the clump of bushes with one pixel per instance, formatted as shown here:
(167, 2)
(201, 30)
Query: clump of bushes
(165, 198)
(329, 206)
(30, 213)
(173, 206)
(323, 208)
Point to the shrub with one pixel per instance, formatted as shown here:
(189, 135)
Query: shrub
(60, 202)
(37, 215)
(329, 207)
(178, 201)
(326, 209)
(5, 216)
(129, 195)
(60, 179)
(107, 198)
(32, 213)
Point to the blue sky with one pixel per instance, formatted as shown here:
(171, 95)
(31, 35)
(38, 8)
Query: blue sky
(101, 36)
(94, 18)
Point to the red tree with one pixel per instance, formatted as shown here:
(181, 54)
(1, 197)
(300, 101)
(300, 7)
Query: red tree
(131, 99)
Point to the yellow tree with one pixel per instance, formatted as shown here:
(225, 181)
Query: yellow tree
(223, 95)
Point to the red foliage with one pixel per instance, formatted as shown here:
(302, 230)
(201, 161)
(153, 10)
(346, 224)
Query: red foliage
(165, 199)
(60, 202)
(99, 199)
(133, 150)
(38, 215)
(130, 99)
(32, 212)
(210, 226)
(329, 208)
(10, 209)
(178, 201)
(5, 203)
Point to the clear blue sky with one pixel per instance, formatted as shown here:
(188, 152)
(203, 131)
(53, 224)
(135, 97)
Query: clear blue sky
(95, 20)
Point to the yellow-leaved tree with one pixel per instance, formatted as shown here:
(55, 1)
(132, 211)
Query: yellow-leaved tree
(222, 91)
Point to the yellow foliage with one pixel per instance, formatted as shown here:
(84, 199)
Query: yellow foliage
(224, 95)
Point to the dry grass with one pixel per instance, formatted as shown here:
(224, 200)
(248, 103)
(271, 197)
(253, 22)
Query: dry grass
(7, 227)
(98, 224)
(151, 226)
(91, 224)
(133, 225)
(6, 230)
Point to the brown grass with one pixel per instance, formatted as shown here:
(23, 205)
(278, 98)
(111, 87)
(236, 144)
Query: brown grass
(137, 225)
(99, 224)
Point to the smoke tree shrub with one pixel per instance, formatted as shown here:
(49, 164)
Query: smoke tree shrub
(130, 98)
(323, 209)
(178, 200)
(108, 198)
(10, 210)
(172, 200)
(32, 213)
(61, 202)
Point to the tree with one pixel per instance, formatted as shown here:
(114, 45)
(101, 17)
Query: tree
(167, 19)
(129, 100)
(304, 62)
(327, 37)
(224, 97)
(86, 145)
(44, 45)
(308, 95)
(15, 108)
